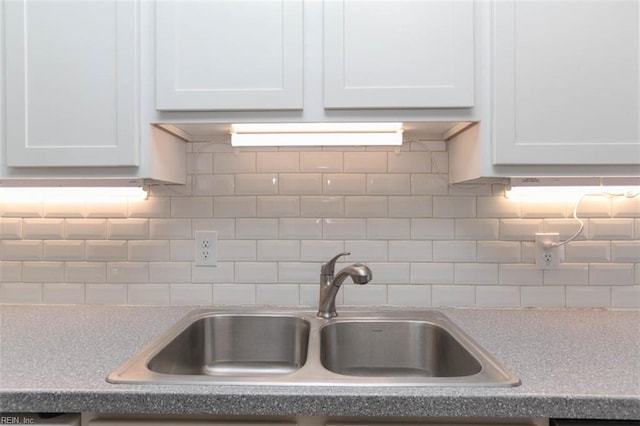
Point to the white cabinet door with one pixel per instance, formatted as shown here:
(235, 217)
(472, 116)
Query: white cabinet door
(566, 82)
(71, 85)
(398, 53)
(229, 55)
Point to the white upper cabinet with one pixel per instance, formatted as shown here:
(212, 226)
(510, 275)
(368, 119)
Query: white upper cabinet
(71, 83)
(398, 53)
(566, 78)
(229, 55)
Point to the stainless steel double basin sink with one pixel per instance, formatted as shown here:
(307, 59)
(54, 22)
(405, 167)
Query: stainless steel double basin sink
(389, 348)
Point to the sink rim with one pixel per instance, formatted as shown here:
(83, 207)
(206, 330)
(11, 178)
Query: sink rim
(492, 373)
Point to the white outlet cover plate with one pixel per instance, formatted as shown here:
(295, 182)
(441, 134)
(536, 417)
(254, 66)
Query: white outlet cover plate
(547, 258)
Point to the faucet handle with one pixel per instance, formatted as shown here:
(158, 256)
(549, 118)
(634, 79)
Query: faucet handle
(329, 267)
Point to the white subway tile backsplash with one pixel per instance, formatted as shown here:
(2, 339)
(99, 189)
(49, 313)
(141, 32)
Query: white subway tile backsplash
(366, 251)
(256, 272)
(409, 295)
(568, 274)
(170, 229)
(455, 296)
(257, 184)
(499, 251)
(498, 297)
(587, 251)
(611, 229)
(236, 250)
(21, 250)
(344, 184)
(427, 184)
(611, 274)
(64, 250)
(343, 229)
(11, 271)
(85, 272)
(141, 251)
(10, 228)
(432, 229)
(360, 206)
(148, 294)
(476, 229)
(409, 162)
(299, 273)
(498, 207)
(62, 293)
(41, 272)
(300, 229)
(475, 273)
(127, 272)
(588, 297)
(222, 273)
(229, 163)
(128, 229)
(278, 162)
(300, 184)
(244, 206)
(520, 230)
(321, 162)
(388, 184)
(191, 294)
(625, 251)
(625, 207)
(460, 207)
(278, 206)
(431, 273)
(277, 294)
(625, 297)
(234, 294)
(281, 213)
(410, 206)
(542, 297)
(365, 295)
(321, 206)
(170, 272)
(319, 250)
(278, 250)
(106, 294)
(85, 229)
(410, 251)
(365, 162)
(106, 250)
(43, 229)
(20, 293)
(388, 229)
(454, 251)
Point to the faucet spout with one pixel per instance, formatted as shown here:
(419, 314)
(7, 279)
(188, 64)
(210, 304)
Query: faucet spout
(330, 284)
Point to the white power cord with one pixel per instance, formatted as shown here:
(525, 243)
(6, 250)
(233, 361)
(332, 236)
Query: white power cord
(627, 194)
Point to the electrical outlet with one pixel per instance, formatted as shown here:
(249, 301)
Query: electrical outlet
(547, 257)
(206, 248)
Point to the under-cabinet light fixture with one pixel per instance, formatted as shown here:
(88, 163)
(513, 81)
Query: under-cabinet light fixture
(66, 194)
(315, 134)
(570, 189)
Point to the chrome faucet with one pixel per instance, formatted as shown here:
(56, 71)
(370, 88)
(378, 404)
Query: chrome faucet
(330, 284)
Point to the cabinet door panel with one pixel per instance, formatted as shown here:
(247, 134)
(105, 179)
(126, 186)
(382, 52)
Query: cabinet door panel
(567, 82)
(71, 83)
(229, 55)
(398, 53)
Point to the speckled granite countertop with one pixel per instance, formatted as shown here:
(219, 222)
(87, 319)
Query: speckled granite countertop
(572, 363)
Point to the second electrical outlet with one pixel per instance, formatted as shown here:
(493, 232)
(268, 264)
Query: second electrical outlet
(206, 248)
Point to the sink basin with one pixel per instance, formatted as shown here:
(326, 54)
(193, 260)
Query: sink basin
(390, 348)
(235, 345)
(400, 349)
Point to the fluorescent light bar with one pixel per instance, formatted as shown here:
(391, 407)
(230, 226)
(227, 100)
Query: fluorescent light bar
(567, 193)
(72, 194)
(315, 134)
